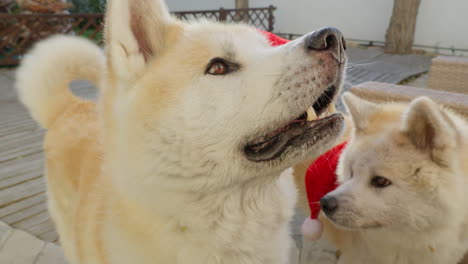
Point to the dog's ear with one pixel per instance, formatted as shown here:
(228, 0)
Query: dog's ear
(136, 32)
(359, 109)
(429, 128)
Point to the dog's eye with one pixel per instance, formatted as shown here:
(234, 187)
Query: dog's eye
(217, 67)
(380, 182)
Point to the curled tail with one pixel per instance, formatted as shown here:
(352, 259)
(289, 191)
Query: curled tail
(46, 71)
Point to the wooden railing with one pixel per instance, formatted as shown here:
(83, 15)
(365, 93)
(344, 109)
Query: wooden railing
(261, 18)
(18, 32)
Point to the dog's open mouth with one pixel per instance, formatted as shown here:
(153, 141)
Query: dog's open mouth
(309, 128)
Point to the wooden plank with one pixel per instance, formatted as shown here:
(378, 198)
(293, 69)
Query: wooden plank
(13, 114)
(19, 126)
(13, 111)
(9, 141)
(12, 105)
(26, 213)
(42, 227)
(22, 133)
(24, 150)
(33, 220)
(14, 118)
(26, 173)
(20, 191)
(21, 165)
(14, 181)
(22, 204)
(19, 142)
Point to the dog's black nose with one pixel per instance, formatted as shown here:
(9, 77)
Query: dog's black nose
(329, 204)
(323, 39)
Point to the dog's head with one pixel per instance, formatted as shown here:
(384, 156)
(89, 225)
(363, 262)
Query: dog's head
(401, 170)
(200, 100)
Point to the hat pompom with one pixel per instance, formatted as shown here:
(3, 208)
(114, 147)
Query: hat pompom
(312, 229)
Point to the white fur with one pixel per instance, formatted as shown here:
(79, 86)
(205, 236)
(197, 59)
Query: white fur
(173, 184)
(42, 81)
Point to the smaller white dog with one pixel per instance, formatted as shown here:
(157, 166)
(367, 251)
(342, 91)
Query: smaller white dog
(403, 185)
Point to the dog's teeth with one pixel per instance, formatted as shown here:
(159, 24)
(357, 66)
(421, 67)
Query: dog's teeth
(331, 108)
(311, 115)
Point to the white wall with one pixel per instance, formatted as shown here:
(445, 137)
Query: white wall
(188, 5)
(443, 23)
(440, 22)
(302, 16)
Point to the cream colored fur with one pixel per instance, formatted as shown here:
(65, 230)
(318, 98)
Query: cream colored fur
(43, 82)
(422, 217)
(155, 172)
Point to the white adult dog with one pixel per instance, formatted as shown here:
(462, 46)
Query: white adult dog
(180, 160)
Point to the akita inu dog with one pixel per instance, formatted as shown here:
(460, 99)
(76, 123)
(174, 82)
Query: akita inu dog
(180, 160)
(403, 177)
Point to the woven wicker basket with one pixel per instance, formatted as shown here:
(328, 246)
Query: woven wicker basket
(449, 74)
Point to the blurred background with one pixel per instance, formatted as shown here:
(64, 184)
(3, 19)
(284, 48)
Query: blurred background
(437, 23)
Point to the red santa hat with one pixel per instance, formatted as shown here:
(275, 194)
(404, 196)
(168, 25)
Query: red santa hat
(274, 39)
(320, 179)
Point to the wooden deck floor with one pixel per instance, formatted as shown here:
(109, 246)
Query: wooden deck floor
(22, 186)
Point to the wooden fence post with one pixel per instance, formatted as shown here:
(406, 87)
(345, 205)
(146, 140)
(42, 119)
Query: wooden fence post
(271, 18)
(222, 14)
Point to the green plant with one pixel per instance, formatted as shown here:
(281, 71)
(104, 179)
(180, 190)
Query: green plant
(88, 6)
(89, 32)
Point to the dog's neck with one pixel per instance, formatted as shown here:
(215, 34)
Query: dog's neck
(380, 246)
(268, 205)
(167, 191)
